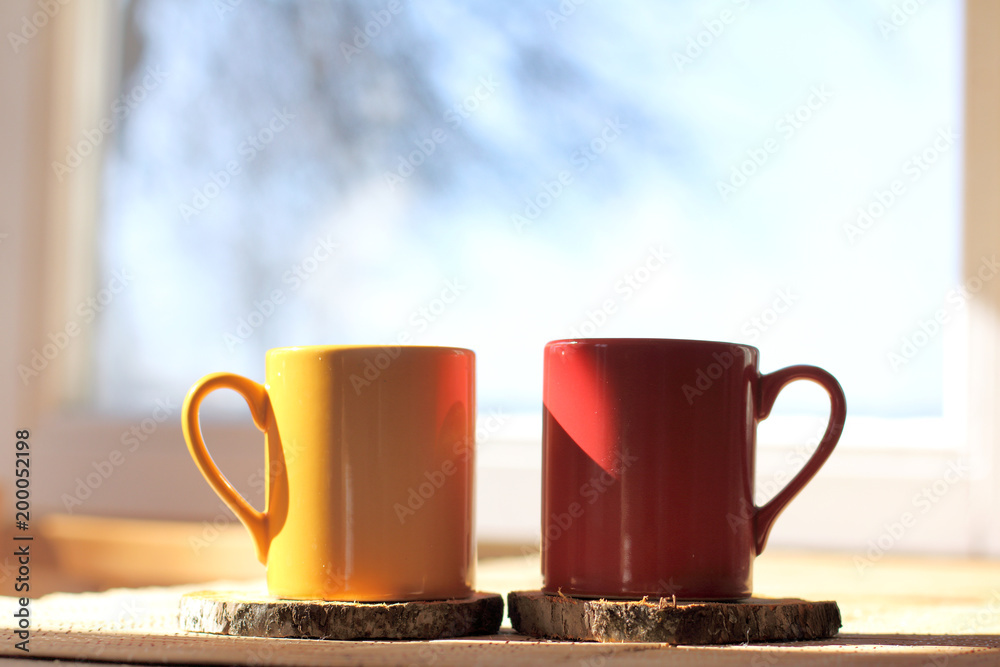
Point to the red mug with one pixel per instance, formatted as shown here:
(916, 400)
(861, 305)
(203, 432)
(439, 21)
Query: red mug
(648, 450)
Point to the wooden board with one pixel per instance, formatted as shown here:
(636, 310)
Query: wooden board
(758, 620)
(247, 614)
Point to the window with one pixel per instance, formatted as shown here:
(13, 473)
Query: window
(499, 176)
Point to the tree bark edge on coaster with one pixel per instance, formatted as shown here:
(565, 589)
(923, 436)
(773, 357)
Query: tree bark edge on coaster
(756, 620)
(253, 615)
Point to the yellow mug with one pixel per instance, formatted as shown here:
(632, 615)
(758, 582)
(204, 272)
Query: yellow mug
(369, 455)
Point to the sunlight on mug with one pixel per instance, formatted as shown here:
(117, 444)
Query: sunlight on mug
(648, 466)
(369, 459)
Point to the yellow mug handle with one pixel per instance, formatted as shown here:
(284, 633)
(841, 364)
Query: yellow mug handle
(260, 408)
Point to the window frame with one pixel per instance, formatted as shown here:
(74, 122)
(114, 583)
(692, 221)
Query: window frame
(63, 80)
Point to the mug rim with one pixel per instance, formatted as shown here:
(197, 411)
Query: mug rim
(312, 349)
(643, 341)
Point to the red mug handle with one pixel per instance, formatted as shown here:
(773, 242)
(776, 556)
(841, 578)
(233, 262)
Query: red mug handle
(770, 385)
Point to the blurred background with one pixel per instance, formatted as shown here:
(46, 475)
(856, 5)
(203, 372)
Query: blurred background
(428, 151)
(193, 183)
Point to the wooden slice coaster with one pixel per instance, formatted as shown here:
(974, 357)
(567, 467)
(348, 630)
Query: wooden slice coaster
(536, 614)
(250, 615)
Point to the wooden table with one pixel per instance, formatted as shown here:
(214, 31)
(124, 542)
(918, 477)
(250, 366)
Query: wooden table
(896, 611)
